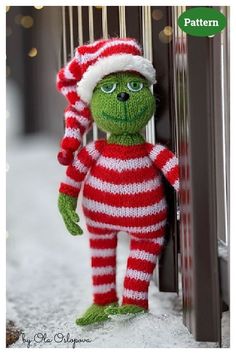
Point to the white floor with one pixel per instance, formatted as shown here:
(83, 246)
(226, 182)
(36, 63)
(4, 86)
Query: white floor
(48, 272)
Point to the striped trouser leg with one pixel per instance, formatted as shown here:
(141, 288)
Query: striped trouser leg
(140, 265)
(103, 261)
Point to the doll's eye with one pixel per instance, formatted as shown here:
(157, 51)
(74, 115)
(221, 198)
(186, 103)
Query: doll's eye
(135, 86)
(108, 88)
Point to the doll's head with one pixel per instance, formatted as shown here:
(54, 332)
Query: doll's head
(122, 103)
(110, 79)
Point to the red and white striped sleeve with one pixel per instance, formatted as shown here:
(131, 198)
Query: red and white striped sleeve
(78, 169)
(166, 161)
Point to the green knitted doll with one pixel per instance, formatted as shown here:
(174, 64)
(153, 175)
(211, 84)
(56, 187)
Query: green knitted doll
(109, 81)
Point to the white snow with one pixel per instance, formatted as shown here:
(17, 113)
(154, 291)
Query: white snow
(48, 272)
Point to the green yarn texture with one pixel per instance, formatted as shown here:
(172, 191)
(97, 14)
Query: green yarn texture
(95, 314)
(126, 139)
(125, 310)
(67, 206)
(122, 116)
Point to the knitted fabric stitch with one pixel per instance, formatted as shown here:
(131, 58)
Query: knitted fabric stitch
(123, 191)
(120, 117)
(77, 80)
(77, 122)
(95, 314)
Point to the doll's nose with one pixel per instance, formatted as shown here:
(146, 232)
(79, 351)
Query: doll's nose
(123, 96)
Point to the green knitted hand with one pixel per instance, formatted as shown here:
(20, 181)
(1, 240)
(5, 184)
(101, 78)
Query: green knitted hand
(67, 206)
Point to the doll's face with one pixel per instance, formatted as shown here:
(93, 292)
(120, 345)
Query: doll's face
(122, 103)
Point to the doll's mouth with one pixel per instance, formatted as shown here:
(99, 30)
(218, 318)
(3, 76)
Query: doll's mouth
(126, 118)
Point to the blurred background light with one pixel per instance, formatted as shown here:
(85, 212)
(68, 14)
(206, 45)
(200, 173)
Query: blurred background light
(157, 14)
(168, 31)
(164, 38)
(33, 52)
(7, 167)
(38, 7)
(18, 19)
(27, 21)
(8, 8)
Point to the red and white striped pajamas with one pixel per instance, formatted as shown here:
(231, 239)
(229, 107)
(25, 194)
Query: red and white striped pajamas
(123, 191)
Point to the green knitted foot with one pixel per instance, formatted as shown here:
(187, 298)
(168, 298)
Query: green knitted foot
(125, 310)
(94, 314)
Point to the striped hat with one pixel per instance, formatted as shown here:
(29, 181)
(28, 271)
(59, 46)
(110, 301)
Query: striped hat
(77, 80)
